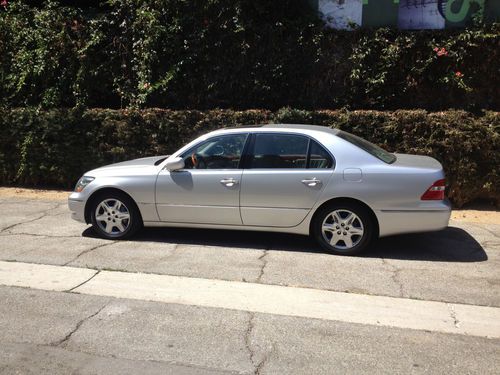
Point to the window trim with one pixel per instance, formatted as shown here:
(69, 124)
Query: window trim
(249, 151)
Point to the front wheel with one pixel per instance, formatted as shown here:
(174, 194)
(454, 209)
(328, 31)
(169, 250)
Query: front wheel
(343, 228)
(115, 216)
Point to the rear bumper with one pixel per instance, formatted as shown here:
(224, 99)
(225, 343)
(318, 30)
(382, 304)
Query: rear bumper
(77, 208)
(412, 221)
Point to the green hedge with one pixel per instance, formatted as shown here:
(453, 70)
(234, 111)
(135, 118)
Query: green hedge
(235, 54)
(55, 147)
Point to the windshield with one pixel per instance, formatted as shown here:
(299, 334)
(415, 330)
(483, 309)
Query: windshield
(372, 149)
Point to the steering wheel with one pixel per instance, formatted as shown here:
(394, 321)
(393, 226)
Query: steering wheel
(198, 161)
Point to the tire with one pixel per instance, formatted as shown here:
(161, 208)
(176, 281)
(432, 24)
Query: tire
(346, 235)
(115, 216)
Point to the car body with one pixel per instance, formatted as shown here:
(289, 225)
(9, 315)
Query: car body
(271, 178)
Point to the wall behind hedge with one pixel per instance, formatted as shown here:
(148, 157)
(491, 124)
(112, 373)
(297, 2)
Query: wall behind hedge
(55, 147)
(235, 54)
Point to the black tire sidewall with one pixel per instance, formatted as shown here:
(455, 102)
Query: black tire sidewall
(135, 221)
(360, 211)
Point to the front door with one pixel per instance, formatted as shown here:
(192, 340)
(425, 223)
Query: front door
(284, 177)
(207, 190)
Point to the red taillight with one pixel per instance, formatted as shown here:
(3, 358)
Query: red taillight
(435, 192)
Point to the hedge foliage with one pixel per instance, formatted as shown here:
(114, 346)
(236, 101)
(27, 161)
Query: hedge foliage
(55, 147)
(235, 54)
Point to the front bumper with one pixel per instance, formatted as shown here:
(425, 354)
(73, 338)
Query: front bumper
(77, 207)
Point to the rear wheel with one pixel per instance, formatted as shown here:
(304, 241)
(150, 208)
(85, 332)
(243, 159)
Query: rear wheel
(343, 228)
(115, 216)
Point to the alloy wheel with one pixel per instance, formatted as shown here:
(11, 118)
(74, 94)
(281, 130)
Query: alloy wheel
(112, 216)
(342, 229)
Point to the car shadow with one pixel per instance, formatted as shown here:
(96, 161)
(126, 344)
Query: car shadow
(449, 245)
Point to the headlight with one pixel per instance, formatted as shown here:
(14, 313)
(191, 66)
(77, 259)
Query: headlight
(84, 181)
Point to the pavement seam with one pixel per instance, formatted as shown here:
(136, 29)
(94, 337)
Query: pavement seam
(89, 250)
(114, 357)
(367, 293)
(65, 339)
(38, 235)
(83, 283)
(483, 227)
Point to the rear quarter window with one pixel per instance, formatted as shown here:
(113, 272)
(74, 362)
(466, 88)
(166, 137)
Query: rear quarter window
(369, 147)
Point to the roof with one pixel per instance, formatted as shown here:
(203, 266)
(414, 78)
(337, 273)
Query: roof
(319, 128)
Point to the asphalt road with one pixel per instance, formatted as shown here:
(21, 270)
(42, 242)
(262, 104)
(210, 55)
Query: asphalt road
(59, 332)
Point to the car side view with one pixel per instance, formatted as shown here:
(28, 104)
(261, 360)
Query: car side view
(304, 179)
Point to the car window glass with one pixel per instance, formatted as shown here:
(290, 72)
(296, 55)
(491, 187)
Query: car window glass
(372, 149)
(222, 152)
(279, 151)
(319, 157)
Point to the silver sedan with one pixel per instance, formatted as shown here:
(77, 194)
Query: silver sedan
(311, 180)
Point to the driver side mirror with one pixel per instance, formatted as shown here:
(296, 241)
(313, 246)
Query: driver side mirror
(174, 164)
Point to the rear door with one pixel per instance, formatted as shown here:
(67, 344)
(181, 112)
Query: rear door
(284, 176)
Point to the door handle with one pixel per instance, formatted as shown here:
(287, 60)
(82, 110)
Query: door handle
(229, 182)
(312, 182)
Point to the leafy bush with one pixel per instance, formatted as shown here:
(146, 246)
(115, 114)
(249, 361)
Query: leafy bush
(55, 147)
(235, 54)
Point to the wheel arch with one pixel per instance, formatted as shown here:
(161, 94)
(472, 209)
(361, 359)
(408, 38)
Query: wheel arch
(95, 194)
(347, 200)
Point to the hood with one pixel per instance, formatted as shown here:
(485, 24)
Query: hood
(142, 163)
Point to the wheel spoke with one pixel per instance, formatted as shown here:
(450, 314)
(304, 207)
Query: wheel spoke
(105, 206)
(328, 227)
(348, 241)
(356, 231)
(109, 226)
(117, 205)
(336, 217)
(122, 216)
(102, 217)
(120, 227)
(350, 218)
(335, 239)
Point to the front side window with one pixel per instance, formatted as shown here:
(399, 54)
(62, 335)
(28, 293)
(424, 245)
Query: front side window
(279, 151)
(222, 152)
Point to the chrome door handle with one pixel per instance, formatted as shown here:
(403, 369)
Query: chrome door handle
(229, 182)
(312, 182)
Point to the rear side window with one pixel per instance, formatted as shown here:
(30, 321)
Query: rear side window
(285, 151)
(372, 149)
(319, 157)
(279, 151)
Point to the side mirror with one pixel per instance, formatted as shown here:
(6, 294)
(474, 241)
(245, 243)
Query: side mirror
(174, 164)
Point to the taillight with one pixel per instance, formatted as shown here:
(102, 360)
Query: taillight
(435, 192)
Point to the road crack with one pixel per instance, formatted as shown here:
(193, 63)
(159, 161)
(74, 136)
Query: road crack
(263, 259)
(83, 283)
(395, 276)
(65, 339)
(453, 315)
(41, 216)
(258, 365)
(89, 250)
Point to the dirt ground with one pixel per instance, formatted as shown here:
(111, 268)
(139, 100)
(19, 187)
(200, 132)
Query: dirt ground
(477, 214)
